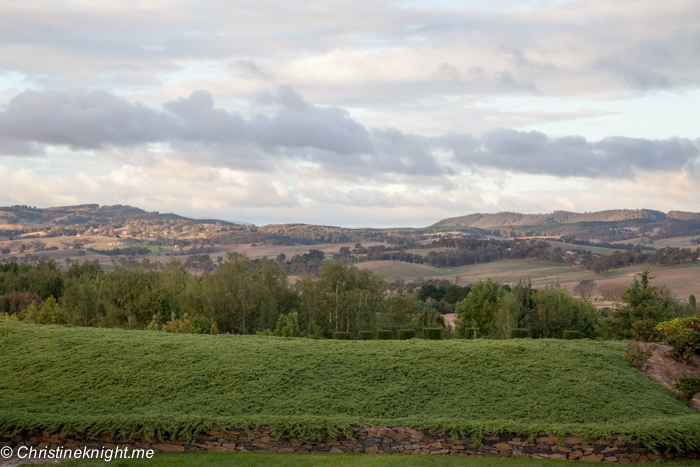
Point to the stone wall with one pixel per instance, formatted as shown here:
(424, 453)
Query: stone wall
(372, 440)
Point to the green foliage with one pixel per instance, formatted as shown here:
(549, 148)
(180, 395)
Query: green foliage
(683, 334)
(383, 335)
(401, 310)
(555, 311)
(642, 302)
(432, 333)
(639, 354)
(243, 296)
(692, 304)
(405, 334)
(519, 333)
(688, 385)
(12, 303)
(569, 335)
(44, 279)
(645, 330)
(190, 325)
(48, 312)
(288, 325)
(364, 335)
(343, 298)
(343, 336)
(114, 381)
(478, 309)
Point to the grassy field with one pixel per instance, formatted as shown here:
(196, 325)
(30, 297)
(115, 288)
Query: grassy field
(221, 459)
(116, 381)
(682, 280)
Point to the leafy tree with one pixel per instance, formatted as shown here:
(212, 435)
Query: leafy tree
(479, 308)
(555, 311)
(187, 324)
(48, 312)
(401, 310)
(288, 325)
(244, 296)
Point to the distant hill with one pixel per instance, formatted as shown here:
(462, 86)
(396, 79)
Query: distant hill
(507, 219)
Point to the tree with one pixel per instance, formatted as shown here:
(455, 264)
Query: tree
(644, 306)
(585, 288)
(478, 309)
(244, 296)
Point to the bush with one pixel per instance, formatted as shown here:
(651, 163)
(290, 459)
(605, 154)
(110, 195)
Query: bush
(190, 325)
(405, 334)
(288, 325)
(365, 335)
(383, 335)
(470, 333)
(639, 354)
(645, 330)
(343, 336)
(688, 385)
(432, 333)
(47, 312)
(519, 333)
(570, 335)
(683, 334)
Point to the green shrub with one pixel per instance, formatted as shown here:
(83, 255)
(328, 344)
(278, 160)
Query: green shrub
(683, 334)
(383, 335)
(470, 333)
(688, 385)
(288, 325)
(190, 325)
(432, 333)
(365, 335)
(645, 330)
(405, 334)
(343, 336)
(519, 333)
(48, 312)
(570, 335)
(639, 354)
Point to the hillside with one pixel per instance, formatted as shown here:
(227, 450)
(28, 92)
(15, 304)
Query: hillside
(110, 380)
(503, 219)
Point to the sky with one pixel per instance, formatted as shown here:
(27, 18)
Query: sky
(352, 113)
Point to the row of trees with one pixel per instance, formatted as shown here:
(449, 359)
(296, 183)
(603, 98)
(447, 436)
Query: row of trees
(244, 296)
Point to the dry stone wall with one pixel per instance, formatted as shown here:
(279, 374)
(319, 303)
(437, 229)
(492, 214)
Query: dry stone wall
(371, 440)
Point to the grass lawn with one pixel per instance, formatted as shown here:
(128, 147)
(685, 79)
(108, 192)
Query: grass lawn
(221, 459)
(116, 381)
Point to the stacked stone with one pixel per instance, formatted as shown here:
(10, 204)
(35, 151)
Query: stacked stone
(368, 439)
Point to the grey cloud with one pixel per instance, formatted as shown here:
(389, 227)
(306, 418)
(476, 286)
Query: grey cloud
(535, 153)
(295, 130)
(250, 69)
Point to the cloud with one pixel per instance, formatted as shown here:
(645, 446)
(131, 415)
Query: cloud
(292, 130)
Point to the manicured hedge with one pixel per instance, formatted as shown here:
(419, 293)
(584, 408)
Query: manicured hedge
(365, 335)
(432, 333)
(345, 336)
(569, 335)
(405, 334)
(383, 335)
(471, 333)
(519, 333)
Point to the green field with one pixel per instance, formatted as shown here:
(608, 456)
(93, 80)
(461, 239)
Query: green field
(116, 381)
(221, 459)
